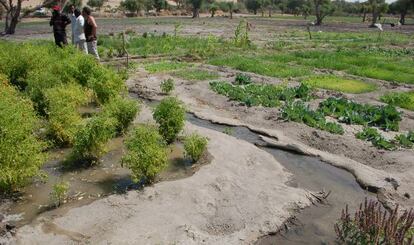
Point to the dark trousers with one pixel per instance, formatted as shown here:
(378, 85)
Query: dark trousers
(60, 39)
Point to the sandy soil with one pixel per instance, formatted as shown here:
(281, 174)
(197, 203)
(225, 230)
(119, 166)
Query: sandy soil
(235, 199)
(367, 161)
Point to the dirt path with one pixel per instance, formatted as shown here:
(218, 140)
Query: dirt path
(240, 196)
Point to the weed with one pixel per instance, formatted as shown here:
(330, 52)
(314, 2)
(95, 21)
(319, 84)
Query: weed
(196, 74)
(241, 35)
(59, 193)
(242, 79)
(170, 116)
(372, 224)
(147, 154)
(164, 66)
(228, 131)
(167, 86)
(404, 100)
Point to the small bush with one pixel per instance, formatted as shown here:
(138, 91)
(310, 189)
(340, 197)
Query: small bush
(59, 193)
(194, 146)
(90, 140)
(170, 115)
(167, 86)
(242, 79)
(147, 154)
(372, 224)
(21, 153)
(62, 104)
(123, 110)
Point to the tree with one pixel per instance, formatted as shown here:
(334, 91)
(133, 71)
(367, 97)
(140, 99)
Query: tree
(306, 9)
(365, 8)
(323, 8)
(159, 4)
(377, 7)
(213, 9)
(134, 6)
(402, 7)
(196, 7)
(253, 5)
(97, 4)
(13, 9)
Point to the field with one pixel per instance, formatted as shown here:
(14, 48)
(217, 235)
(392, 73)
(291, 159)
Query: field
(225, 127)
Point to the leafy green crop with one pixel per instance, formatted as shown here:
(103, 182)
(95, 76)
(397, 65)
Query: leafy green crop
(372, 134)
(297, 111)
(21, 152)
(170, 116)
(261, 94)
(384, 117)
(147, 154)
(194, 146)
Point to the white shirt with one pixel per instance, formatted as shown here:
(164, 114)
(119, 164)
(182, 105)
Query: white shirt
(78, 31)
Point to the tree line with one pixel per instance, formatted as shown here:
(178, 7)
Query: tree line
(375, 9)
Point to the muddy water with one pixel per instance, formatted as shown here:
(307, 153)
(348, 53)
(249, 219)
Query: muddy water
(86, 185)
(312, 225)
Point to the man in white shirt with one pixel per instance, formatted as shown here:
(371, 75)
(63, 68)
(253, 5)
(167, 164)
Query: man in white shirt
(73, 21)
(79, 33)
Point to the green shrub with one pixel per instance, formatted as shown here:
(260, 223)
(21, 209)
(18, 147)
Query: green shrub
(90, 140)
(21, 153)
(147, 154)
(59, 193)
(404, 141)
(167, 86)
(242, 79)
(170, 116)
(62, 104)
(403, 100)
(123, 110)
(194, 146)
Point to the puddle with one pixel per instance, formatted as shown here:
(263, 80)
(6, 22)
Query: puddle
(87, 184)
(313, 225)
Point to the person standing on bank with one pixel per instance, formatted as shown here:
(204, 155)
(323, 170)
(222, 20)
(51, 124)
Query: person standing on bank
(59, 22)
(73, 21)
(90, 32)
(78, 32)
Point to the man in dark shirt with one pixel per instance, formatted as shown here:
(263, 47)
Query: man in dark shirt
(59, 22)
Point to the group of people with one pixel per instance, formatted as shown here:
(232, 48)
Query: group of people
(83, 29)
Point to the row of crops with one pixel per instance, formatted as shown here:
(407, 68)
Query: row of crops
(52, 98)
(293, 107)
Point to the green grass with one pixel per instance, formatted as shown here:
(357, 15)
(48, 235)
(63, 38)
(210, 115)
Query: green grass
(340, 84)
(262, 66)
(404, 99)
(165, 66)
(196, 74)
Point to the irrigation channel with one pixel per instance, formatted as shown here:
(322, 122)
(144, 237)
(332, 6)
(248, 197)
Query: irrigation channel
(313, 225)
